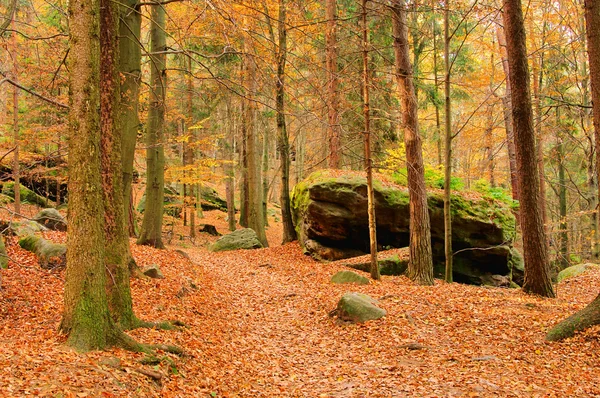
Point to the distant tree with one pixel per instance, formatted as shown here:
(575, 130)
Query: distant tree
(420, 268)
(535, 252)
(151, 233)
(333, 117)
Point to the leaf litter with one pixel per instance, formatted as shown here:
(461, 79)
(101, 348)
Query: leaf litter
(257, 324)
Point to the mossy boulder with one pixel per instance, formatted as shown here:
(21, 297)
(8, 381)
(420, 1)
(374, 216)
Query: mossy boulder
(26, 228)
(153, 271)
(388, 266)
(172, 203)
(51, 219)
(5, 199)
(331, 209)
(211, 200)
(244, 238)
(358, 308)
(575, 270)
(27, 195)
(50, 255)
(343, 277)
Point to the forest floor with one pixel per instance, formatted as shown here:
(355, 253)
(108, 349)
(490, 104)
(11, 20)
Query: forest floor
(258, 325)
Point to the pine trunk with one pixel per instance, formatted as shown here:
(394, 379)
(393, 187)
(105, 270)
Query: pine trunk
(151, 233)
(537, 278)
(420, 267)
(333, 122)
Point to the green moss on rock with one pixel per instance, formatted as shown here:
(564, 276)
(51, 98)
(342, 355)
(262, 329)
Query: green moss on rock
(358, 308)
(27, 195)
(3, 255)
(349, 277)
(575, 271)
(241, 239)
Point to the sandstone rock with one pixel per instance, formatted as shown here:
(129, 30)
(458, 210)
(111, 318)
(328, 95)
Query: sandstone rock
(241, 239)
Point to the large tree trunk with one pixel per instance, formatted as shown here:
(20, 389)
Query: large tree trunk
(420, 268)
(117, 255)
(283, 140)
(151, 233)
(86, 317)
(333, 122)
(129, 124)
(537, 279)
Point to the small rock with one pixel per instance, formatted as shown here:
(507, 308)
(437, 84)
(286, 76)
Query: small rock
(183, 254)
(413, 346)
(153, 271)
(349, 277)
(112, 362)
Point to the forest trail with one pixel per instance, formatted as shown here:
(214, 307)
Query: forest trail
(258, 325)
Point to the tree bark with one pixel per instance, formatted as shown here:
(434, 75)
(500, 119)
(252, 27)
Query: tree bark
(333, 122)
(535, 253)
(508, 118)
(581, 320)
(283, 144)
(117, 255)
(447, 152)
(129, 124)
(420, 268)
(16, 169)
(367, 146)
(151, 233)
(86, 319)
(254, 193)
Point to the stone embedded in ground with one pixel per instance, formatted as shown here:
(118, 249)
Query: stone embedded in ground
(244, 238)
(358, 308)
(575, 271)
(153, 271)
(3, 255)
(330, 215)
(51, 219)
(349, 277)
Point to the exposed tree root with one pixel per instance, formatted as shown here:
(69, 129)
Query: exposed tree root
(581, 320)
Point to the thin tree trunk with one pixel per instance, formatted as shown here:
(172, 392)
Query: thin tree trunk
(129, 70)
(151, 233)
(229, 169)
(333, 122)
(537, 278)
(563, 252)
(508, 119)
(367, 146)
(420, 268)
(190, 147)
(447, 153)
(16, 168)
(254, 193)
(283, 144)
(438, 129)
